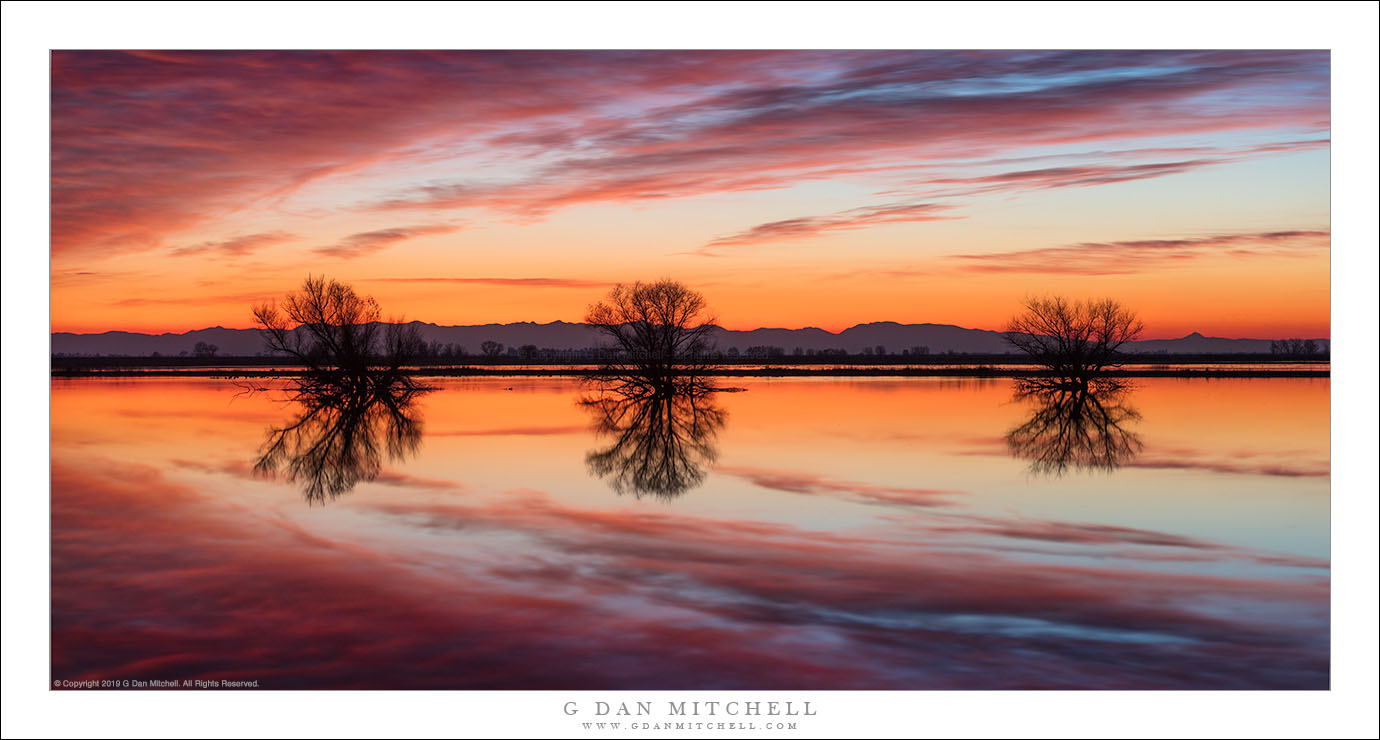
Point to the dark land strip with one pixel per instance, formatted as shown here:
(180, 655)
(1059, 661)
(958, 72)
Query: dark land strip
(956, 366)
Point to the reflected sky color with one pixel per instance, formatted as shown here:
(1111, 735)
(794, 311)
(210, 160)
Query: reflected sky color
(909, 186)
(847, 534)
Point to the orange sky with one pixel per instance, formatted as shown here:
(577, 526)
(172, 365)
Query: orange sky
(792, 188)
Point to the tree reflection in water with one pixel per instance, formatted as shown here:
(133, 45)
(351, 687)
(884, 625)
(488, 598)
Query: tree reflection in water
(663, 427)
(1075, 426)
(341, 435)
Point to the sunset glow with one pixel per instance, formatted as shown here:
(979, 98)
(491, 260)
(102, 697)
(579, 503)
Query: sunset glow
(792, 188)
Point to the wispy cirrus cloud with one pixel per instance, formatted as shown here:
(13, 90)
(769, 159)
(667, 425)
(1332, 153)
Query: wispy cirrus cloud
(238, 246)
(1070, 176)
(532, 282)
(934, 186)
(149, 144)
(917, 108)
(1120, 257)
(1089, 168)
(856, 218)
(368, 242)
(246, 298)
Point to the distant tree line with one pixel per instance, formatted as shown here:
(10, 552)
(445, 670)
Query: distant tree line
(1298, 347)
(493, 350)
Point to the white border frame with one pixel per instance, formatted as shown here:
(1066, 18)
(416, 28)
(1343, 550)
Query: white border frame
(30, 30)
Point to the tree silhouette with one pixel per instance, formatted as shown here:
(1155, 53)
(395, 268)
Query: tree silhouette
(651, 394)
(1075, 341)
(339, 336)
(1296, 347)
(491, 348)
(655, 328)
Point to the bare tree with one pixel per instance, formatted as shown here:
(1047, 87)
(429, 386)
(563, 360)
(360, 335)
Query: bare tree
(657, 328)
(1074, 340)
(491, 348)
(339, 335)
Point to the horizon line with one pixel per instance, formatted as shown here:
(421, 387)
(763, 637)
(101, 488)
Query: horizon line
(51, 332)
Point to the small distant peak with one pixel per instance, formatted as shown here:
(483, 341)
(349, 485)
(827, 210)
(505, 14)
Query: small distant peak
(1194, 335)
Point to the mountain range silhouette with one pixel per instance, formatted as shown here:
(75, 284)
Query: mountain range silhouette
(560, 335)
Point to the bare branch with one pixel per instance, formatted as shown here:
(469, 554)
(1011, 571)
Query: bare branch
(339, 336)
(1074, 341)
(654, 328)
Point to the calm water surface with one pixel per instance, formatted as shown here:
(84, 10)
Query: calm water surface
(806, 533)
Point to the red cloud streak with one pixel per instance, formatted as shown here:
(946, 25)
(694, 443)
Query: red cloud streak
(148, 144)
(1111, 258)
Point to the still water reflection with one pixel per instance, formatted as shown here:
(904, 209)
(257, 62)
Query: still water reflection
(340, 436)
(806, 533)
(662, 431)
(1075, 427)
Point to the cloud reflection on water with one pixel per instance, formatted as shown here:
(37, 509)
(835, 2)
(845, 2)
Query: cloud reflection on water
(180, 563)
(610, 599)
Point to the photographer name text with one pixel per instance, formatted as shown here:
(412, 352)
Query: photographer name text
(734, 708)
